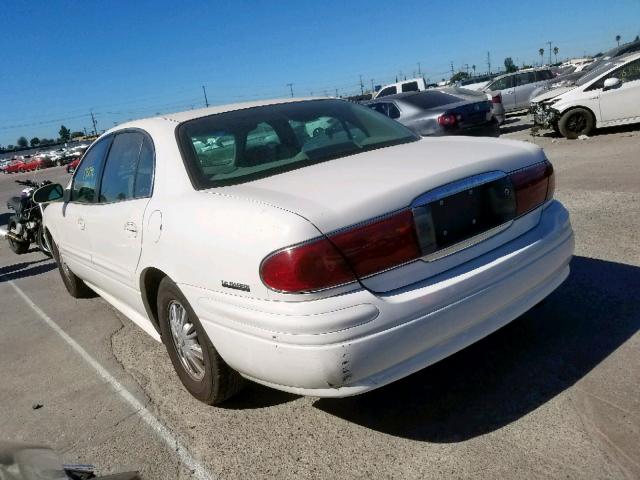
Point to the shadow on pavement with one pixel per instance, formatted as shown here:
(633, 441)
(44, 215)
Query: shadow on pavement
(257, 396)
(514, 128)
(618, 129)
(514, 371)
(25, 269)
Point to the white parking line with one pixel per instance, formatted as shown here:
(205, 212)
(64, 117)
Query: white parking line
(163, 432)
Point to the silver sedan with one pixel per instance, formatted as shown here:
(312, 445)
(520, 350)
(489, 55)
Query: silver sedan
(440, 112)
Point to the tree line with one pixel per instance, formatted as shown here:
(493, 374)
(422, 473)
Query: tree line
(23, 143)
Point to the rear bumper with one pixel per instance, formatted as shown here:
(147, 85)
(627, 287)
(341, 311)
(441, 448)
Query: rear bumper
(359, 341)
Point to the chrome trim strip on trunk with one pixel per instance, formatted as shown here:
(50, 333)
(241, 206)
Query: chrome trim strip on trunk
(457, 187)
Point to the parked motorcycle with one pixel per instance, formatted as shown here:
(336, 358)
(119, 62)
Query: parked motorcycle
(25, 227)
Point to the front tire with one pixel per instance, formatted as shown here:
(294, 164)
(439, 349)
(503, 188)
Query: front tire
(74, 284)
(576, 122)
(199, 366)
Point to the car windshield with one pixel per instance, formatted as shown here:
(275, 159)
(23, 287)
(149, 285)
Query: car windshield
(244, 145)
(595, 73)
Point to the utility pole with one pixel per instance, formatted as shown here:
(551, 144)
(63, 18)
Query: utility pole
(372, 87)
(337, 96)
(93, 120)
(549, 43)
(419, 71)
(466, 65)
(361, 86)
(489, 61)
(290, 85)
(206, 102)
(452, 72)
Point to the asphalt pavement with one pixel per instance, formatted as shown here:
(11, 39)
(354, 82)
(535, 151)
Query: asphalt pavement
(555, 394)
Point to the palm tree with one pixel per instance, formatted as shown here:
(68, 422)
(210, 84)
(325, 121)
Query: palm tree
(555, 51)
(541, 52)
(618, 37)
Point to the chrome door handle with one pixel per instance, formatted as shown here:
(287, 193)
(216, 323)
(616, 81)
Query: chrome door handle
(131, 228)
(81, 223)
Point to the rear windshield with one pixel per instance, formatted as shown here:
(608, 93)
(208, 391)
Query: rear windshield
(243, 145)
(430, 99)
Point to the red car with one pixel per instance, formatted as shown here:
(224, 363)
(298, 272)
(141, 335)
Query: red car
(71, 167)
(17, 166)
(37, 163)
(28, 164)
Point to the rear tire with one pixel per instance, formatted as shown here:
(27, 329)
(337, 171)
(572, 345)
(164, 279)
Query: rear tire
(75, 286)
(200, 368)
(576, 122)
(19, 248)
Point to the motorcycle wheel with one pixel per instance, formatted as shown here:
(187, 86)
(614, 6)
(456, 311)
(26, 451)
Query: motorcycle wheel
(18, 248)
(43, 243)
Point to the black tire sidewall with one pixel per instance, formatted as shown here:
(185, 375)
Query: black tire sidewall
(74, 284)
(206, 390)
(562, 124)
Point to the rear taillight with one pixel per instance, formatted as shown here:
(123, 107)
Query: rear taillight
(311, 266)
(533, 186)
(379, 245)
(496, 98)
(344, 256)
(447, 120)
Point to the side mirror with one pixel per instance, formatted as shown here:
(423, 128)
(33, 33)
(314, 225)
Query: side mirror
(611, 83)
(48, 193)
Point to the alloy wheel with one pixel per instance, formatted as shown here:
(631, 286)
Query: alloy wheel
(576, 123)
(185, 340)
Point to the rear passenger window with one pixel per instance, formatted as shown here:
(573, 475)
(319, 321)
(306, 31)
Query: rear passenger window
(388, 91)
(393, 111)
(379, 107)
(409, 87)
(143, 185)
(525, 78)
(120, 169)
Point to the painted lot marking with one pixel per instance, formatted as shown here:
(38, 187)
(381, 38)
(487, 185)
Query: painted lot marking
(163, 432)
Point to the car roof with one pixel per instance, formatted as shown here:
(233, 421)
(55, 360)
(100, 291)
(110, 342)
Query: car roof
(180, 117)
(402, 95)
(523, 70)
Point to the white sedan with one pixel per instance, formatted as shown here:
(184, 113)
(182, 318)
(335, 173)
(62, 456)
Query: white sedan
(326, 264)
(608, 95)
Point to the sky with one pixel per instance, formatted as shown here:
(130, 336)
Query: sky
(61, 60)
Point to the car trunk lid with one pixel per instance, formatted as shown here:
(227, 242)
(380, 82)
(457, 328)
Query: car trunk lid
(351, 190)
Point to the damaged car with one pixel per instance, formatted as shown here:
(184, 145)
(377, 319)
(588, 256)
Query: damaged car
(324, 264)
(607, 96)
